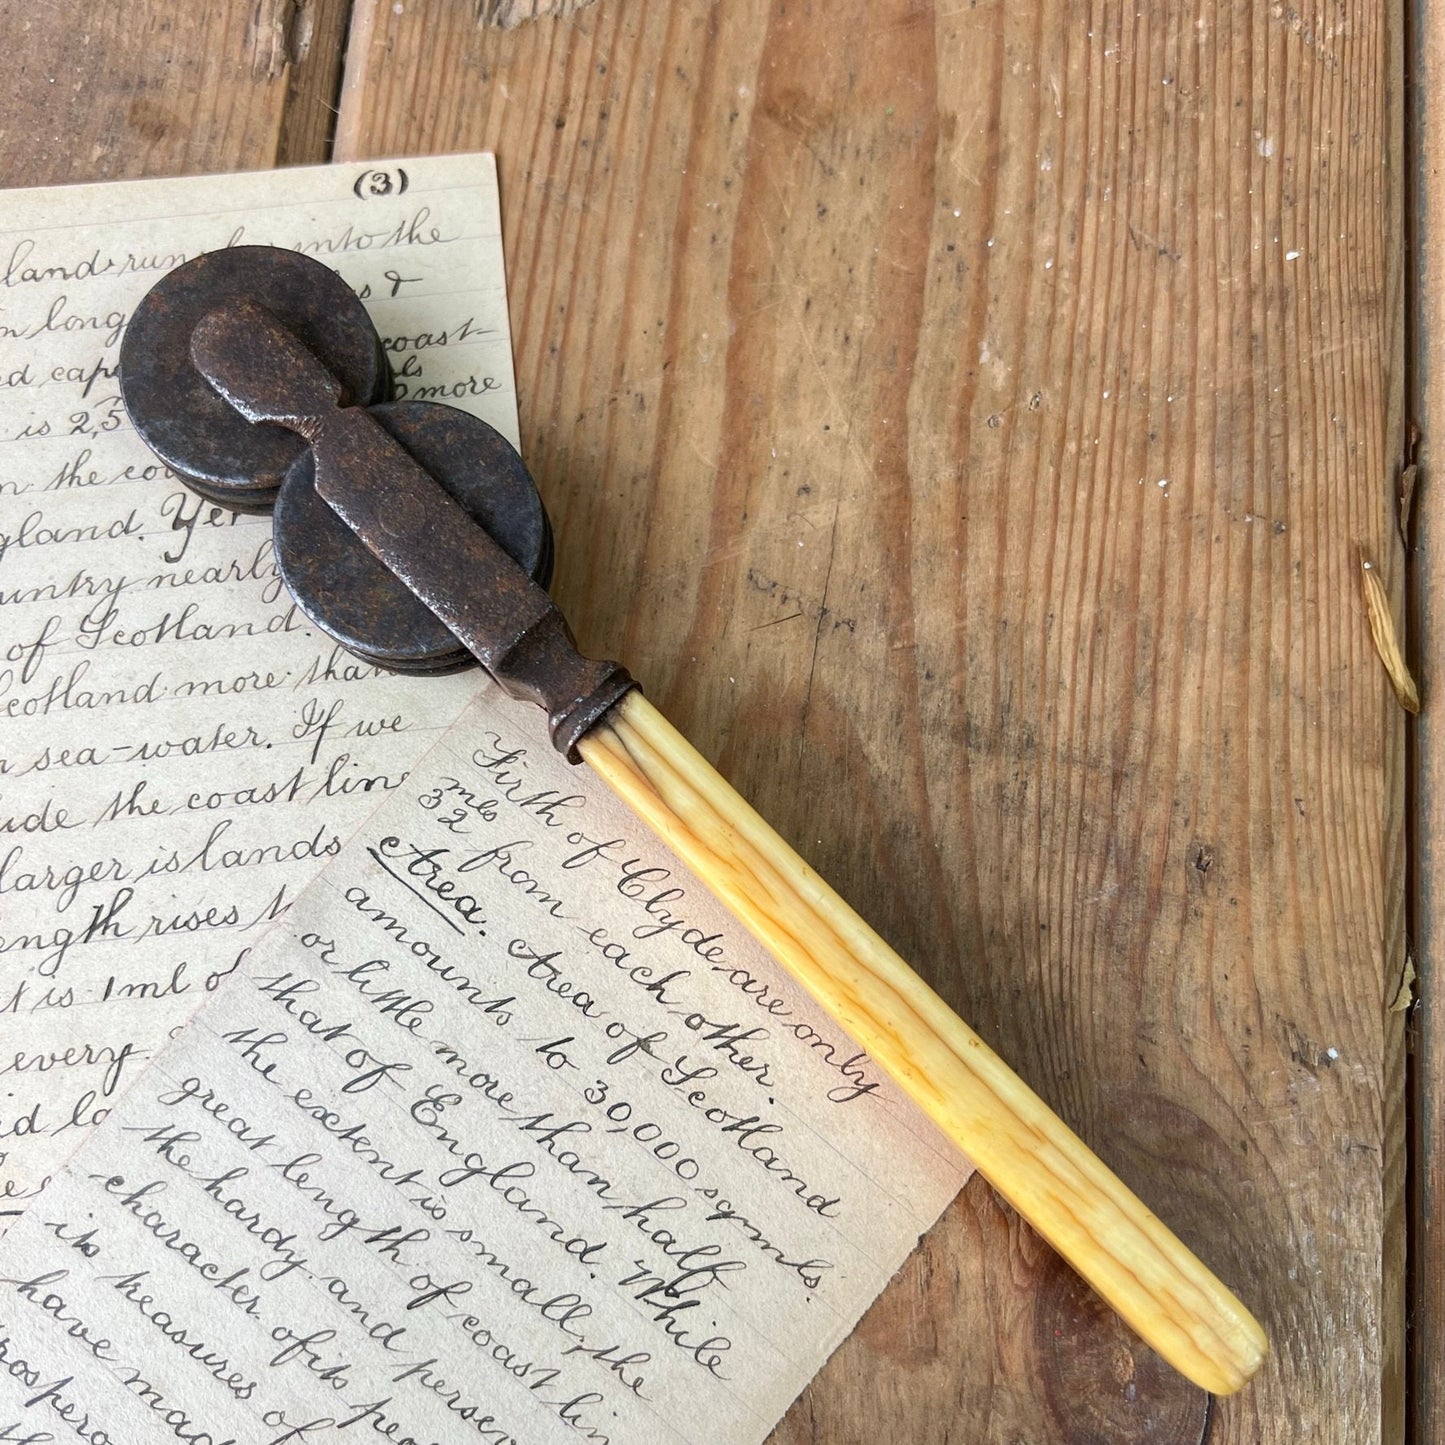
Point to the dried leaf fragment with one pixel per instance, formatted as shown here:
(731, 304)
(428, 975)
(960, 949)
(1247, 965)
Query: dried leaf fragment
(1408, 477)
(1405, 994)
(1387, 641)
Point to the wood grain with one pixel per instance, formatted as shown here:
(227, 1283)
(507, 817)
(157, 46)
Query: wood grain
(964, 420)
(159, 87)
(1425, 225)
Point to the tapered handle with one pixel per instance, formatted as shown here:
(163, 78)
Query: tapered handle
(1016, 1141)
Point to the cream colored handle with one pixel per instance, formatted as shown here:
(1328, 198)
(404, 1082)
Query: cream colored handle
(1016, 1141)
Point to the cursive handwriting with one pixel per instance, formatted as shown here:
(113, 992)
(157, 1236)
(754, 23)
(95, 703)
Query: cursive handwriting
(182, 748)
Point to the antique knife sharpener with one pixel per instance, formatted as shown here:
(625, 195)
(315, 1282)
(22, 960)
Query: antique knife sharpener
(413, 534)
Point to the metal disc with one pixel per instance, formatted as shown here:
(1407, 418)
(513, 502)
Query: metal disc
(351, 596)
(224, 457)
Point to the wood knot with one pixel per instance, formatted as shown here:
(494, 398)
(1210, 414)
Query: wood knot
(1103, 1385)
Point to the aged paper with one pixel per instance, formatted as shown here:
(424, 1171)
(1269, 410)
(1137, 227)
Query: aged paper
(179, 752)
(507, 1132)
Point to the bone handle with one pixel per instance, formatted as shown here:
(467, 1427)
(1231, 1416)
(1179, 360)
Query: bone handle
(1020, 1146)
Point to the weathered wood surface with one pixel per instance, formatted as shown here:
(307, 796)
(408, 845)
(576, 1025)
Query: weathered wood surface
(158, 87)
(854, 341)
(1425, 127)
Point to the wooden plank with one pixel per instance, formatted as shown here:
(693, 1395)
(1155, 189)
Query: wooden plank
(1425, 218)
(315, 46)
(964, 419)
(161, 87)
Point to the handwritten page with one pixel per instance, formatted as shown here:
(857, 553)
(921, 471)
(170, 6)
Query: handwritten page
(179, 751)
(507, 1132)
